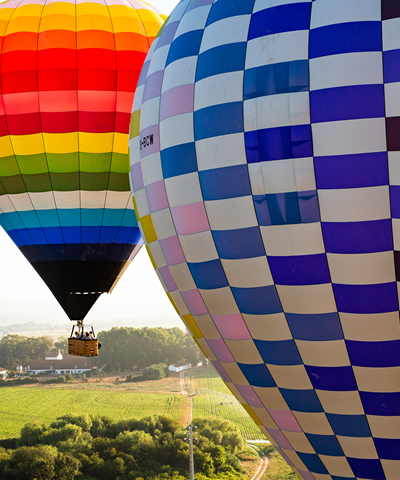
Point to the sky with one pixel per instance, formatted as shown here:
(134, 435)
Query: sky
(137, 300)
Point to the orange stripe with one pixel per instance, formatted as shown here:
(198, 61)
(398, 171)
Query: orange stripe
(57, 39)
(20, 41)
(97, 39)
(125, 40)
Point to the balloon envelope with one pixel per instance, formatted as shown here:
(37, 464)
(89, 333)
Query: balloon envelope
(68, 75)
(266, 173)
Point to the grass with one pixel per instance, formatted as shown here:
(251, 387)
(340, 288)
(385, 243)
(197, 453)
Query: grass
(19, 405)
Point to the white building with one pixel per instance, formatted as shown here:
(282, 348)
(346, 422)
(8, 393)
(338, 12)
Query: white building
(3, 373)
(65, 364)
(178, 367)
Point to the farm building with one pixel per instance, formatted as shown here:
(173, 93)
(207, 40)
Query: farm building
(178, 367)
(54, 356)
(65, 364)
(3, 373)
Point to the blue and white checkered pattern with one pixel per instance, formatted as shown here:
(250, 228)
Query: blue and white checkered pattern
(265, 159)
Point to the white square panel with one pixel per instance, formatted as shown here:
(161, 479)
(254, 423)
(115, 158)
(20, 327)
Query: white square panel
(182, 276)
(198, 247)
(356, 68)
(323, 354)
(183, 189)
(226, 31)
(392, 99)
(221, 151)
(150, 113)
(390, 34)
(377, 379)
(163, 224)
(152, 168)
(176, 130)
(354, 204)
(307, 298)
(218, 89)
(231, 213)
(330, 12)
(248, 272)
(193, 20)
(180, 72)
(297, 239)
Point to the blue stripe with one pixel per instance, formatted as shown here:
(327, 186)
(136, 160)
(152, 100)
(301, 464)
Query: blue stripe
(345, 38)
(186, 45)
(349, 425)
(69, 217)
(315, 327)
(347, 103)
(385, 404)
(378, 298)
(208, 275)
(221, 10)
(284, 18)
(278, 143)
(338, 379)
(391, 66)
(358, 237)
(325, 444)
(257, 375)
(352, 171)
(239, 243)
(302, 400)
(222, 119)
(179, 160)
(388, 448)
(367, 468)
(395, 200)
(227, 182)
(258, 300)
(299, 270)
(222, 59)
(313, 463)
(283, 352)
(287, 208)
(286, 77)
(374, 354)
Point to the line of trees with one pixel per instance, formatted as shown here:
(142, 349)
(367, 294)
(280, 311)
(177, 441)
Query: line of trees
(125, 348)
(90, 448)
(20, 350)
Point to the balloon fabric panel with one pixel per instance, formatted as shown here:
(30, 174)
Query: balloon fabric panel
(265, 174)
(68, 75)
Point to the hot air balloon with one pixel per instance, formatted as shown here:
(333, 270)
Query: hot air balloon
(265, 170)
(68, 73)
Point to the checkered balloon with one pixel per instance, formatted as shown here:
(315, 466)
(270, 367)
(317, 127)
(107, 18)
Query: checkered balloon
(265, 169)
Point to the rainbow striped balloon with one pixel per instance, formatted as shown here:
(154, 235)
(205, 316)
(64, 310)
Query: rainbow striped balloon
(68, 74)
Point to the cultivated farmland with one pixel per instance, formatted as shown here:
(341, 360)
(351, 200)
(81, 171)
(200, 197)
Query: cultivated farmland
(19, 405)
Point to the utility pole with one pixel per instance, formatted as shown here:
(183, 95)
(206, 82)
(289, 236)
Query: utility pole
(191, 462)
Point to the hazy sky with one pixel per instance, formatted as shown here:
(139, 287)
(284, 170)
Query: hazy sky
(138, 298)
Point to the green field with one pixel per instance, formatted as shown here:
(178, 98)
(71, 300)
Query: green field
(117, 400)
(19, 405)
(212, 397)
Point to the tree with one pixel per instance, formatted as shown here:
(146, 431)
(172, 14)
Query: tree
(62, 345)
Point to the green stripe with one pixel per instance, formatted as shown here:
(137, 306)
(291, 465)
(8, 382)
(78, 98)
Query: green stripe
(64, 182)
(63, 162)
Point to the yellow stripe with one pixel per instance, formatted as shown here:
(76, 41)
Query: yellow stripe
(148, 229)
(61, 142)
(96, 142)
(25, 24)
(135, 125)
(58, 22)
(150, 255)
(60, 8)
(201, 348)
(5, 146)
(27, 144)
(123, 11)
(173, 303)
(127, 24)
(121, 143)
(192, 325)
(251, 413)
(93, 22)
(29, 10)
(136, 212)
(92, 8)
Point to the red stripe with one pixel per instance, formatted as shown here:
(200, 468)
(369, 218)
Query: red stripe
(97, 79)
(130, 60)
(127, 80)
(94, 57)
(63, 122)
(122, 122)
(3, 126)
(14, 82)
(56, 58)
(20, 41)
(53, 80)
(96, 122)
(17, 61)
(26, 124)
